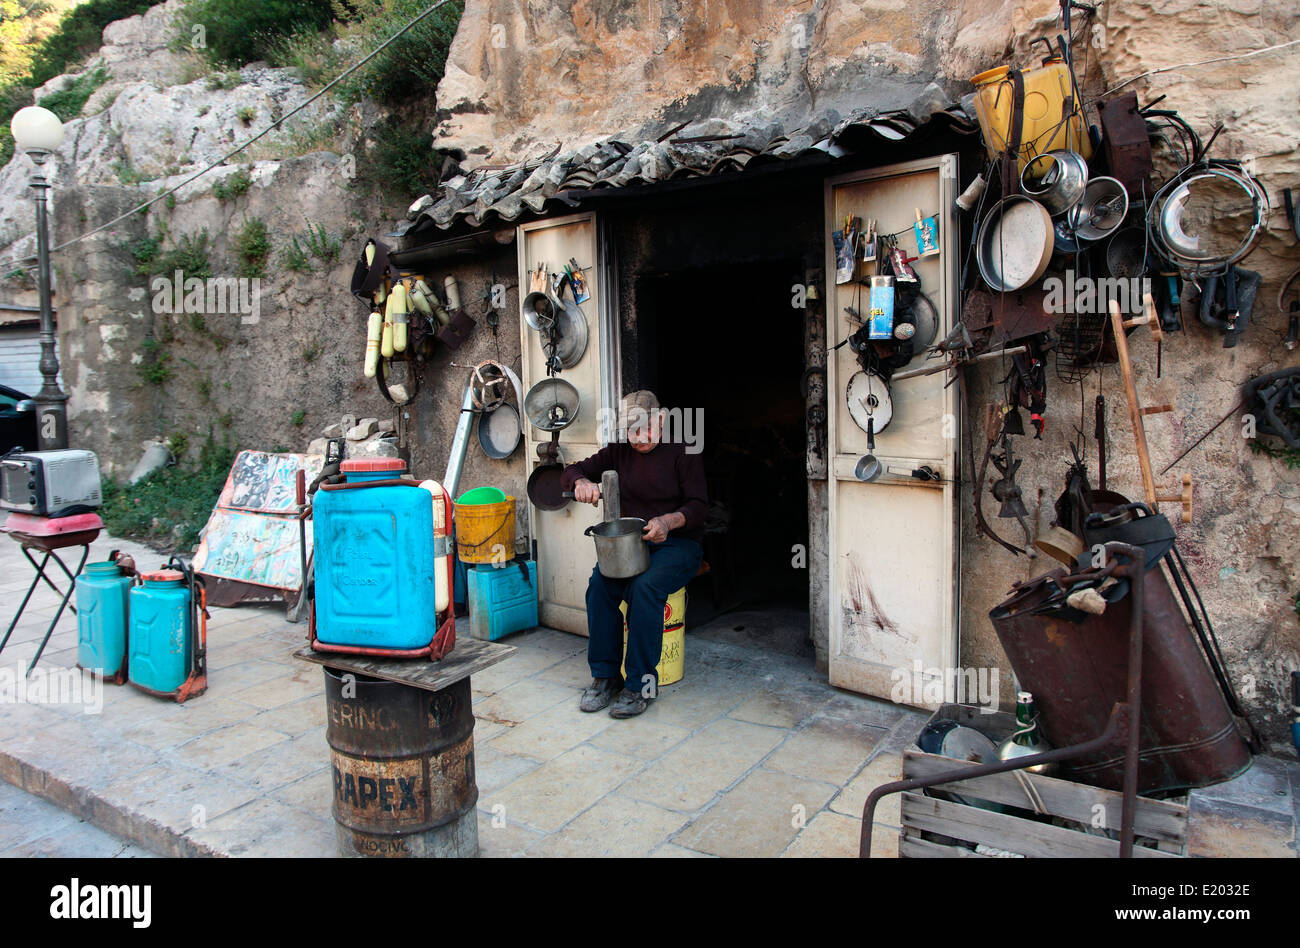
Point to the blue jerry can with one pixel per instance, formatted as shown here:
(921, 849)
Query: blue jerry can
(502, 599)
(375, 560)
(161, 639)
(101, 620)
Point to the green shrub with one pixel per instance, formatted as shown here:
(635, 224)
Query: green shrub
(153, 368)
(171, 505)
(295, 258)
(411, 66)
(246, 114)
(252, 246)
(79, 34)
(298, 418)
(68, 102)
(321, 243)
(191, 255)
(311, 54)
(233, 186)
(239, 32)
(403, 160)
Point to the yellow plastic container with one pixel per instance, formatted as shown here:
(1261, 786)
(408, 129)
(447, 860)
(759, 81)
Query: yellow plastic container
(672, 659)
(485, 533)
(1046, 126)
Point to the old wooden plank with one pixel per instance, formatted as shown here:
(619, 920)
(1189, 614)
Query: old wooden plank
(1008, 832)
(1157, 819)
(467, 658)
(913, 847)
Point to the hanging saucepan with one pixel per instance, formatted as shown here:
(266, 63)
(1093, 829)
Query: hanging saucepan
(1100, 211)
(1056, 180)
(1015, 243)
(871, 406)
(539, 311)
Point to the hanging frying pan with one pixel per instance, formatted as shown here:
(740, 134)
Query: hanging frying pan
(544, 487)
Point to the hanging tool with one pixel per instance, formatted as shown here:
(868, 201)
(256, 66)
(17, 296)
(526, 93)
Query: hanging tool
(1137, 412)
(1099, 432)
(992, 432)
(1007, 491)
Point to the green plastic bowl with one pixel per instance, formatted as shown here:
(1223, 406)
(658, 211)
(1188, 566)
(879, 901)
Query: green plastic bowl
(482, 495)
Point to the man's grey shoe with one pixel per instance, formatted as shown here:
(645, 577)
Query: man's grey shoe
(599, 693)
(628, 705)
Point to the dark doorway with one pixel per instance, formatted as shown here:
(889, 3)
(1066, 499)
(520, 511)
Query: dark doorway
(726, 341)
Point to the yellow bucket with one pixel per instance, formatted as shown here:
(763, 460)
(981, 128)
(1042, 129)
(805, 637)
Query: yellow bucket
(672, 659)
(485, 533)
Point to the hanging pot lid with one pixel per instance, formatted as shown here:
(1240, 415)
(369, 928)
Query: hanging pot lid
(570, 336)
(498, 432)
(870, 401)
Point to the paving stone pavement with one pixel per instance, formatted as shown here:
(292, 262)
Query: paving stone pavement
(752, 754)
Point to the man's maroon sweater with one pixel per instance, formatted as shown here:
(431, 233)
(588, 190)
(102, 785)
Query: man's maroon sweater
(662, 481)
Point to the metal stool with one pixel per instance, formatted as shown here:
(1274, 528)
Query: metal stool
(47, 535)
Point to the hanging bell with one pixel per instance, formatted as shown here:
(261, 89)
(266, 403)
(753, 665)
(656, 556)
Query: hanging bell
(1012, 423)
(1012, 506)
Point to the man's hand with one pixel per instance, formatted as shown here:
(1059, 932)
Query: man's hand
(656, 531)
(585, 492)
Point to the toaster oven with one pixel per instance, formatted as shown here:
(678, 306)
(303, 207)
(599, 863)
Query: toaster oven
(47, 483)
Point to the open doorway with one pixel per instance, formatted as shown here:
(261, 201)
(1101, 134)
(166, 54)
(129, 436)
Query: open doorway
(726, 340)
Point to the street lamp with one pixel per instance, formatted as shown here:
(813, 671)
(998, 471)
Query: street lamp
(39, 132)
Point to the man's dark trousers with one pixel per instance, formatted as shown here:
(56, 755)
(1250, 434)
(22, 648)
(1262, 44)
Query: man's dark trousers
(673, 564)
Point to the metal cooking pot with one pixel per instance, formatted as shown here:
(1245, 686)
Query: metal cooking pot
(620, 550)
(1056, 180)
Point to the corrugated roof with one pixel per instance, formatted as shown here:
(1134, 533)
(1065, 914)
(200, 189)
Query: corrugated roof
(561, 180)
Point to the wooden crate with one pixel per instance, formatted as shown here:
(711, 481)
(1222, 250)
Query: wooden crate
(1160, 825)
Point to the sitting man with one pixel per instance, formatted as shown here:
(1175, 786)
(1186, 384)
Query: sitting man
(665, 486)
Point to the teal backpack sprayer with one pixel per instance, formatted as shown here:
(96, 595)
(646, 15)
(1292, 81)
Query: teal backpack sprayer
(168, 636)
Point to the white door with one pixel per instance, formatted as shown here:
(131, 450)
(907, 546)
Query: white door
(565, 557)
(894, 543)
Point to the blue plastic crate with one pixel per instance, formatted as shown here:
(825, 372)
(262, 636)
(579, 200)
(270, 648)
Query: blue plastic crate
(501, 599)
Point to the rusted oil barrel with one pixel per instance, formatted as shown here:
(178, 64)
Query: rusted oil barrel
(403, 768)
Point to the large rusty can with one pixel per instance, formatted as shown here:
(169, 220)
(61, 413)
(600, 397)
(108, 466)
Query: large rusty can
(403, 767)
(1076, 665)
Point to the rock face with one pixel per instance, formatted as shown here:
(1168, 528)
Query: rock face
(250, 378)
